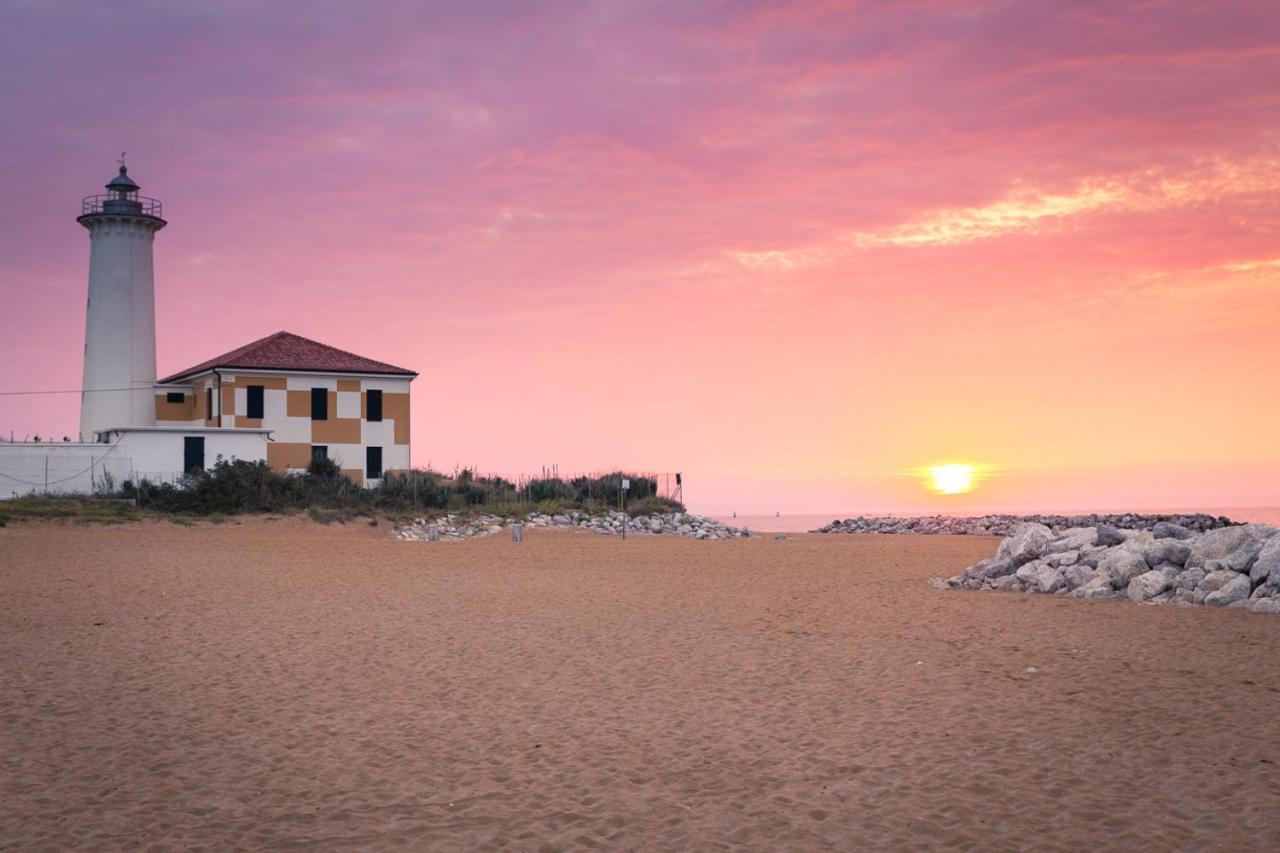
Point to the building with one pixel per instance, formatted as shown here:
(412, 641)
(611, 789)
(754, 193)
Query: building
(284, 399)
(316, 401)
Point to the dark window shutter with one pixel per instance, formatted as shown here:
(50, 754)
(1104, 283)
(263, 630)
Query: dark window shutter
(254, 401)
(372, 463)
(192, 453)
(373, 405)
(319, 451)
(174, 397)
(319, 404)
(208, 403)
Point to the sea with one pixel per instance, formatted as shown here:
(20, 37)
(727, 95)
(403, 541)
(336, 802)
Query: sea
(799, 523)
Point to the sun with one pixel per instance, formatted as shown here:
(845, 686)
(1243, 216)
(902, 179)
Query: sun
(952, 479)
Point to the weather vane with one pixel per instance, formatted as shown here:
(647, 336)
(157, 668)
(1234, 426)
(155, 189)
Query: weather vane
(121, 160)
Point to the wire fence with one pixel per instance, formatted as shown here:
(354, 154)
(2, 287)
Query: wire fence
(62, 472)
(608, 487)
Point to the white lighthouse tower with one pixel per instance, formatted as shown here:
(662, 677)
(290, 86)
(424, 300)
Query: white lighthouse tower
(120, 332)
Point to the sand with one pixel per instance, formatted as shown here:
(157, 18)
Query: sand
(283, 685)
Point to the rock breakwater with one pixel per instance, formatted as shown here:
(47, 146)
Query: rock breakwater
(454, 527)
(1236, 566)
(1003, 525)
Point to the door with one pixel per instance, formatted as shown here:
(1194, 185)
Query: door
(192, 453)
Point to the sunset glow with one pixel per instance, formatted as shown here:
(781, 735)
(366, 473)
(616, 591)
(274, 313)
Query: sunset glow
(792, 250)
(952, 479)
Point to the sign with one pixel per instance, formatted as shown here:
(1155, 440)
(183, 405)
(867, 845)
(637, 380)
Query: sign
(626, 484)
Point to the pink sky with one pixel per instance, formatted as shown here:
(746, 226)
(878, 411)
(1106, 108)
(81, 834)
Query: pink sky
(795, 250)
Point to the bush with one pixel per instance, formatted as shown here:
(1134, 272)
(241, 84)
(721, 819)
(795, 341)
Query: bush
(230, 488)
(654, 506)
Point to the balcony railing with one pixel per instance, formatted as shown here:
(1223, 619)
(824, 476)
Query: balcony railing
(112, 203)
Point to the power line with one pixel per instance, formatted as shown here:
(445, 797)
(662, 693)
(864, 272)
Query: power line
(76, 391)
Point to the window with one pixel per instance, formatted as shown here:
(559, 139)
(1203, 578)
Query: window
(319, 404)
(208, 403)
(253, 397)
(174, 397)
(319, 452)
(373, 405)
(372, 463)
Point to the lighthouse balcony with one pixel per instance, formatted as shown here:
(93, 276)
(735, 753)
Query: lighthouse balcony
(120, 204)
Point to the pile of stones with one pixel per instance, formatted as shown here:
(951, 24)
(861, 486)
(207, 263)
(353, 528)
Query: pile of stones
(1003, 525)
(666, 524)
(454, 528)
(1237, 566)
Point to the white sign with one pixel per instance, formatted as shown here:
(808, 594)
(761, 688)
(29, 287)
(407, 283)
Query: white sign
(626, 484)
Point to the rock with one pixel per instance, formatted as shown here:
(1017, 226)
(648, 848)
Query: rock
(1216, 544)
(1008, 583)
(1167, 530)
(1214, 581)
(1240, 570)
(1027, 571)
(1048, 579)
(1166, 551)
(1077, 575)
(1236, 589)
(1099, 586)
(1108, 536)
(1092, 555)
(1072, 539)
(1191, 578)
(1025, 543)
(1242, 559)
(1148, 585)
(1123, 566)
(1266, 568)
(1063, 559)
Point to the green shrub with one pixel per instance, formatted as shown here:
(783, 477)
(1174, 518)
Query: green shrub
(654, 506)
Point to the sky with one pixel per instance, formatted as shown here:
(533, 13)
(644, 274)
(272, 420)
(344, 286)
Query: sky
(799, 251)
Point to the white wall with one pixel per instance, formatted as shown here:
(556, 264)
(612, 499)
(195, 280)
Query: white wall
(60, 468)
(158, 455)
(120, 330)
(86, 468)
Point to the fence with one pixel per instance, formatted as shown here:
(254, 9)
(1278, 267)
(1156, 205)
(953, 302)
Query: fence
(603, 487)
(61, 469)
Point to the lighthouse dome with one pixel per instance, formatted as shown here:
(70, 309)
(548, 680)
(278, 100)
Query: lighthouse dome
(122, 182)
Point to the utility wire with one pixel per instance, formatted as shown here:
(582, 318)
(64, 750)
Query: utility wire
(78, 391)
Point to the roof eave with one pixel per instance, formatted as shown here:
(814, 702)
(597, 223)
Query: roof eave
(186, 377)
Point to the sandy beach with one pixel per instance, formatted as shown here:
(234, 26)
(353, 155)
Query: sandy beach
(284, 685)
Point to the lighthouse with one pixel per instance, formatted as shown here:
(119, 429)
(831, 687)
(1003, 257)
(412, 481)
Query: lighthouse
(120, 327)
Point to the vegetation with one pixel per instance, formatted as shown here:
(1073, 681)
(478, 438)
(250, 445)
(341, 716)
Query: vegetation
(80, 510)
(327, 495)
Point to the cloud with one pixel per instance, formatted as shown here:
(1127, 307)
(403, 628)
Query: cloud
(1030, 211)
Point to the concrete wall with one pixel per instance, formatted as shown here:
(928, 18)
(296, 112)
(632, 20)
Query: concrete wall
(58, 468)
(157, 455)
(88, 468)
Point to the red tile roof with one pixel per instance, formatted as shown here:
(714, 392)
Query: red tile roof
(286, 351)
